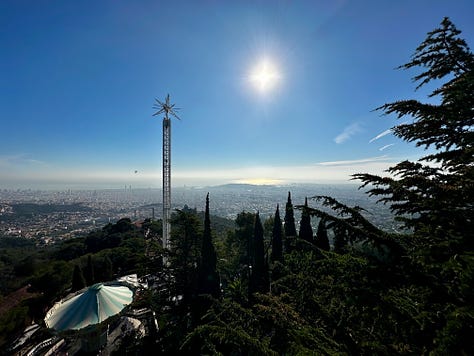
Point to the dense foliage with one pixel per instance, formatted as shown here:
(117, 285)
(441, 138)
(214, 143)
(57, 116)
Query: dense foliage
(34, 278)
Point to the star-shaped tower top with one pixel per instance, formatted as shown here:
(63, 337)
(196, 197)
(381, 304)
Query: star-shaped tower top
(165, 107)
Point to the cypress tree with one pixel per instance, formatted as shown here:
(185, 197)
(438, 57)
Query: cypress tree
(322, 240)
(108, 268)
(277, 242)
(258, 278)
(184, 258)
(290, 228)
(208, 276)
(243, 239)
(306, 231)
(340, 240)
(89, 271)
(78, 281)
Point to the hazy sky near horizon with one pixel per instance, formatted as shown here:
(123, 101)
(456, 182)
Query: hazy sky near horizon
(78, 80)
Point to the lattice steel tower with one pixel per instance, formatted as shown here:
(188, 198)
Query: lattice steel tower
(168, 109)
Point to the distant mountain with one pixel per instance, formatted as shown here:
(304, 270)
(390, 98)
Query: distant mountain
(243, 185)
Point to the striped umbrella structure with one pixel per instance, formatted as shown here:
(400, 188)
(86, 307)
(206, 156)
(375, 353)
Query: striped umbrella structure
(93, 306)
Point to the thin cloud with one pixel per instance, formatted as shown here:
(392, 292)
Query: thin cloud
(386, 146)
(7, 160)
(348, 132)
(19, 160)
(388, 131)
(355, 161)
(380, 135)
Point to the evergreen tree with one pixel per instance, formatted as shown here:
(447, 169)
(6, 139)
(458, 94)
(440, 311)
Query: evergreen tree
(306, 231)
(185, 256)
(437, 202)
(277, 243)
(78, 281)
(443, 196)
(322, 240)
(208, 276)
(290, 228)
(244, 239)
(89, 271)
(108, 268)
(434, 196)
(340, 239)
(259, 274)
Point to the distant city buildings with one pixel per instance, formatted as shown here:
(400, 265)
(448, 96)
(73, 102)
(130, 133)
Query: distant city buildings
(48, 216)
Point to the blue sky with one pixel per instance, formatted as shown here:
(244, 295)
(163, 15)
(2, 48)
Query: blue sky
(78, 81)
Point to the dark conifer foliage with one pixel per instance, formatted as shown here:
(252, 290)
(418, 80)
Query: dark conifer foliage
(321, 239)
(259, 274)
(242, 242)
(78, 280)
(208, 276)
(185, 255)
(306, 231)
(277, 241)
(290, 227)
(108, 268)
(89, 274)
(436, 201)
(340, 239)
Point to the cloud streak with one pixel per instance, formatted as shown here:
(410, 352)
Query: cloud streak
(12, 161)
(380, 135)
(386, 146)
(348, 132)
(355, 161)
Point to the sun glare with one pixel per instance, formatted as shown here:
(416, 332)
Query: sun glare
(260, 181)
(264, 76)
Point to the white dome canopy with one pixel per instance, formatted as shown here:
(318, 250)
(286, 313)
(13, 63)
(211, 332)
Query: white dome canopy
(93, 306)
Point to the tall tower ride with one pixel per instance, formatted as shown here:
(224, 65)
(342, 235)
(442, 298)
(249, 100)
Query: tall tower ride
(168, 109)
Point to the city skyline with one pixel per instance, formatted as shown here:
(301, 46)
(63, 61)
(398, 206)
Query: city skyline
(270, 92)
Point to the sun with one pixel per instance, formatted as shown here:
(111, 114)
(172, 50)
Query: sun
(264, 76)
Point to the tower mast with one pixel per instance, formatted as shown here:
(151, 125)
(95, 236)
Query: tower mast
(168, 109)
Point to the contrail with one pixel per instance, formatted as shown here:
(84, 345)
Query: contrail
(386, 146)
(385, 133)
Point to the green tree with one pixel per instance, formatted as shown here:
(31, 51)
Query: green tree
(340, 239)
(78, 280)
(259, 272)
(270, 326)
(290, 227)
(185, 256)
(277, 240)
(52, 280)
(108, 269)
(208, 276)
(11, 322)
(437, 201)
(89, 274)
(244, 238)
(71, 249)
(321, 239)
(306, 231)
(177, 302)
(26, 267)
